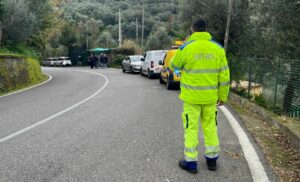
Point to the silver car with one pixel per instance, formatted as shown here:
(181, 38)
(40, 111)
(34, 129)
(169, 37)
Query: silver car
(132, 64)
(49, 62)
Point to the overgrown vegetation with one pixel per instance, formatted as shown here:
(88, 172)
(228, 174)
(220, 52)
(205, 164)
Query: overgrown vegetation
(281, 156)
(17, 72)
(267, 30)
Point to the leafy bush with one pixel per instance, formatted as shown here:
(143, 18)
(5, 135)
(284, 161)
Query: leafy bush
(260, 100)
(117, 60)
(124, 51)
(17, 73)
(18, 21)
(119, 54)
(277, 110)
(19, 51)
(240, 92)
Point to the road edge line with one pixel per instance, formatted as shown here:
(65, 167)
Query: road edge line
(256, 168)
(28, 88)
(2, 140)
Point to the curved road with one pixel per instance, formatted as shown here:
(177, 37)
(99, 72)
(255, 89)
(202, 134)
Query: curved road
(129, 131)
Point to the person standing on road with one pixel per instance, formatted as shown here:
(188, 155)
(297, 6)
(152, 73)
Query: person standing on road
(204, 85)
(92, 61)
(105, 61)
(96, 61)
(102, 60)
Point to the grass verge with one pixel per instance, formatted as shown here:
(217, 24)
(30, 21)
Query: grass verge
(44, 78)
(281, 156)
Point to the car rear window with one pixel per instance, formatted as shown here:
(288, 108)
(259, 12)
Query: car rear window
(159, 56)
(135, 58)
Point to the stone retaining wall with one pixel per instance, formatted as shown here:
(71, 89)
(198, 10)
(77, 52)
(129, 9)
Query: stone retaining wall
(18, 72)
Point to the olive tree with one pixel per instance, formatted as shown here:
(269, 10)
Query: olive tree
(17, 22)
(159, 39)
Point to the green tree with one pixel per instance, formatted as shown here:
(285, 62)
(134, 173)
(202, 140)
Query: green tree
(159, 39)
(18, 21)
(69, 36)
(47, 19)
(1, 17)
(106, 40)
(286, 21)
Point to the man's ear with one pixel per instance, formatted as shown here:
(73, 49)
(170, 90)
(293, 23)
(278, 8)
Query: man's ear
(192, 30)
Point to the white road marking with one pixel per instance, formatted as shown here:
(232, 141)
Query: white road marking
(257, 170)
(2, 140)
(22, 90)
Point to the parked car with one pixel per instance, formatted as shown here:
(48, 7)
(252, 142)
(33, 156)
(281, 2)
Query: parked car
(49, 62)
(150, 66)
(132, 64)
(63, 61)
(168, 76)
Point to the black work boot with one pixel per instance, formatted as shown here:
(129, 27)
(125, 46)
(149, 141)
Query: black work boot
(211, 163)
(189, 166)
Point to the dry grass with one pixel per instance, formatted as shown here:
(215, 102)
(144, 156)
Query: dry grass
(281, 156)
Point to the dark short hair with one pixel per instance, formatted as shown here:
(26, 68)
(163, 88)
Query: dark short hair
(199, 25)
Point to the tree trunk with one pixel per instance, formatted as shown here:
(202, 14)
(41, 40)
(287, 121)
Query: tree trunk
(1, 33)
(229, 12)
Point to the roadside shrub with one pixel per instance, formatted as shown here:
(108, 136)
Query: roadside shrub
(19, 72)
(277, 110)
(260, 100)
(119, 54)
(117, 60)
(124, 51)
(240, 92)
(19, 51)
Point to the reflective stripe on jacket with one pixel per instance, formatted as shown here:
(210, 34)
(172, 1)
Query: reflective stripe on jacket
(205, 72)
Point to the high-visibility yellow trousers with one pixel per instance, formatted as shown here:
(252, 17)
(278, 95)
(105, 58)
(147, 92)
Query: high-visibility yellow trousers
(190, 117)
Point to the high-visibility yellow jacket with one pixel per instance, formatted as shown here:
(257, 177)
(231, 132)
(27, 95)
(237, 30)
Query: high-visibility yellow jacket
(205, 73)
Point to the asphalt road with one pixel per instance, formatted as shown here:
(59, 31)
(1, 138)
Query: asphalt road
(129, 130)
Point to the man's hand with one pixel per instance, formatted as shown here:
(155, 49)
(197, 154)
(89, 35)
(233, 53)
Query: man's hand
(220, 103)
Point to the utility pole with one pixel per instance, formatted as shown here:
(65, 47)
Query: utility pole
(229, 12)
(143, 24)
(87, 36)
(120, 29)
(107, 39)
(136, 31)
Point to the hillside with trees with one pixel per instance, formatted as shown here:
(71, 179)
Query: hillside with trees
(266, 31)
(262, 50)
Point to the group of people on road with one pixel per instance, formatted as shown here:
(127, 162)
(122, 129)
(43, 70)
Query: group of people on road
(98, 61)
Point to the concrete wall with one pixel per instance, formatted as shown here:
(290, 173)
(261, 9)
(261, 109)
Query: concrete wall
(17, 72)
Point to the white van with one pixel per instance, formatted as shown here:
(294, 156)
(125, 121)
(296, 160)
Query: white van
(150, 63)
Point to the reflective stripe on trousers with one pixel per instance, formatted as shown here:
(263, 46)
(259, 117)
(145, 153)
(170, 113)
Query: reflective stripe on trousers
(190, 116)
(212, 151)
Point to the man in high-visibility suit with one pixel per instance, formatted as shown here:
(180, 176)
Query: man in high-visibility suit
(204, 85)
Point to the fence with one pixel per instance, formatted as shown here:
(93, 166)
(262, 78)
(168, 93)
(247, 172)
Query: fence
(271, 83)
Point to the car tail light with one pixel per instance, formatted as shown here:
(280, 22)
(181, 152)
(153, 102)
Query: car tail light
(152, 64)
